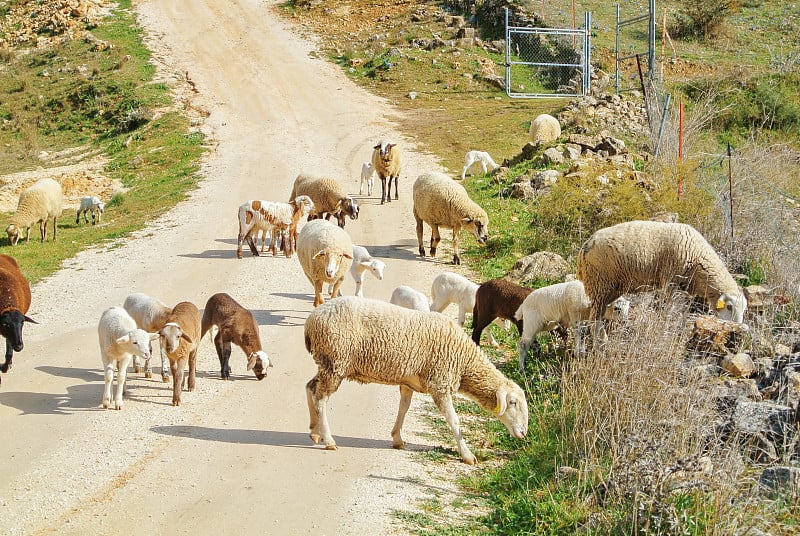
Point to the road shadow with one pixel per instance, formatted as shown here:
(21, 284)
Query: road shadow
(265, 437)
(87, 375)
(77, 398)
(211, 254)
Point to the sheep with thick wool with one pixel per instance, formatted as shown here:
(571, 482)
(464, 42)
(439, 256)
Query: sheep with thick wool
(181, 338)
(328, 196)
(325, 252)
(279, 219)
(544, 129)
(39, 203)
(150, 314)
(637, 255)
(371, 341)
(387, 159)
(441, 202)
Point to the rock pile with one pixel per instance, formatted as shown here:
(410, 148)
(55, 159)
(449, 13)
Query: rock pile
(44, 21)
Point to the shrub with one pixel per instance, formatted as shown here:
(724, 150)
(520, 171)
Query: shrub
(703, 18)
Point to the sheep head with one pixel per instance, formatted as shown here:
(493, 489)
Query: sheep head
(13, 233)
(256, 362)
(731, 307)
(512, 409)
(477, 226)
(171, 335)
(11, 322)
(304, 204)
(137, 342)
(333, 259)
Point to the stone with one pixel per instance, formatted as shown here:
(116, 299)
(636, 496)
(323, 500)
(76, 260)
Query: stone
(553, 156)
(538, 267)
(738, 365)
(715, 336)
(785, 479)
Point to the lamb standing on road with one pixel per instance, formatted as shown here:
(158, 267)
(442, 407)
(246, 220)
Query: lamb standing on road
(280, 219)
(90, 204)
(387, 159)
(410, 298)
(120, 340)
(38, 203)
(636, 255)
(150, 315)
(418, 351)
(362, 263)
(15, 299)
(367, 177)
(325, 252)
(441, 202)
(181, 337)
(478, 157)
(236, 325)
(328, 196)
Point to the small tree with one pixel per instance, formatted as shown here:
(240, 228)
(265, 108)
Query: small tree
(702, 18)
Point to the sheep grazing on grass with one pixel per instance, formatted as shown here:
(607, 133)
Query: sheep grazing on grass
(637, 255)
(236, 325)
(150, 315)
(325, 252)
(371, 341)
(181, 337)
(328, 196)
(544, 129)
(387, 159)
(38, 203)
(90, 204)
(367, 177)
(120, 340)
(496, 298)
(363, 262)
(280, 219)
(441, 202)
(15, 299)
(478, 157)
(410, 298)
(449, 287)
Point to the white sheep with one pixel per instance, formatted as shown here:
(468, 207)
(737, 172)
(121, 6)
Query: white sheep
(387, 160)
(367, 177)
(328, 196)
(120, 340)
(38, 203)
(325, 252)
(449, 287)
(418, 351)
(637, 255)
(410, 298)
(150, 315)
(363, 262)
(442, 202)
(478, 157)
(280, 219)
(181, 338)
(544, 129)
(93, 205)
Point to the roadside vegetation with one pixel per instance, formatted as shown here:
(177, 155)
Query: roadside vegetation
(608, 434)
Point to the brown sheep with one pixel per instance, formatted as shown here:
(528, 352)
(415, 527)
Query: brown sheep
(15, 299)
(181, 337)
(386, 161)
(496, 298)
(236, 325)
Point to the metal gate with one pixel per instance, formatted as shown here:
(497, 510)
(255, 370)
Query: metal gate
(548, 62)
(630, 47)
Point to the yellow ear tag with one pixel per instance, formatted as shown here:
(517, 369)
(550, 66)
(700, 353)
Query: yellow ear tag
(497, 408)
(720, 304)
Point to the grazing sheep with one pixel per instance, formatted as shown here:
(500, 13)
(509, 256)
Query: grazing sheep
(544, 129)
(449, 287)
(387, 160)
(325, 252)
(181, 337)
(15, 299)
(38, 203)
(410, 298)
(280, 219)
(328, 197)
(370, 341)
(441, 202)
(90, 204)
(120, 340)
(478, 157)
(367, 176)
(236, 325)
(150, 315)
(636, 255)
(496, 298)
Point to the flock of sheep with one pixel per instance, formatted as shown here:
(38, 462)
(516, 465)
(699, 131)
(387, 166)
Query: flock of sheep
(406, 342)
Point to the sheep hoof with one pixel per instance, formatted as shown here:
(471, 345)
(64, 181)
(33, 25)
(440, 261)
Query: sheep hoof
(331, 447)
(4, 367)
(470, 460)
(137, 369)
(165, 379)
(316, 438)
(176, 402)
(148, 374)
(399, 446)
(456, 259)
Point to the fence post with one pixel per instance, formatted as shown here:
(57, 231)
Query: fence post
(661, 125)
(730, 189)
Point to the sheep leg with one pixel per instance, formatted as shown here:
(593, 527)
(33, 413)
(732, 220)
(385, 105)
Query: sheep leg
(318, 299)
(77, 217)
(224, 354)
(251, 244)
(445, 404)
(395, 186)
(164, 363)
(478, 325)
(192, 367)
(419, 235)
(177, 367)
(435, 238)
(319, 389)
(456, 258)
(9, 354)
(55, 228)
(336, 286)
(383, 189)
(405, 403)
(43, 229)
(313, 414)
(122, 372)
(109, 379)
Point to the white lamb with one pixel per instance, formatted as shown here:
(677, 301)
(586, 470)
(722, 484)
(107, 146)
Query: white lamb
(367, 177)
(150, 315)
(38, 203)
(120, 340)
(544, 129)
(449, 287)
(442, 202)
(279, 219)
(478, 157)
(90, 204)
(410, 298)
(362, 263)
(637, 255)
(371, 341)
(325, 252)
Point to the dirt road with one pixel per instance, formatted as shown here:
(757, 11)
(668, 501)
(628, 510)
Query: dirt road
(235, 458)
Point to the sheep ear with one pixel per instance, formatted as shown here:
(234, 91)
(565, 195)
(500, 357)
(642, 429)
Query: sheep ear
(467, 219)
(29, 319)
(123, 339)
(154, 336)
(501, 402)
(188, 338)
(251, 361)
(377, 146)
(318, 254)
(347, 256)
